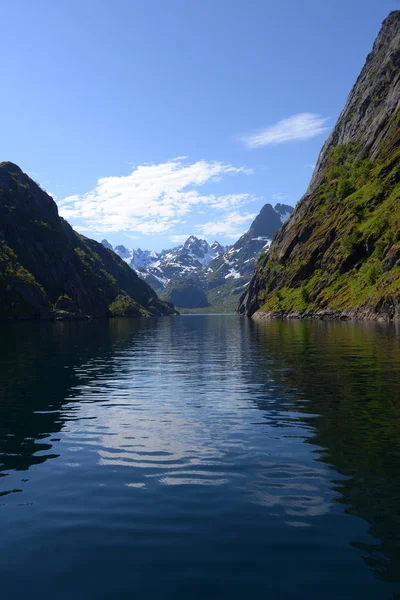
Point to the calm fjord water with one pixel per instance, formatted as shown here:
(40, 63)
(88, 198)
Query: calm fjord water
(199, 457)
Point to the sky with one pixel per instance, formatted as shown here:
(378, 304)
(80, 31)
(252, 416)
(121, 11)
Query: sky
(150, 120)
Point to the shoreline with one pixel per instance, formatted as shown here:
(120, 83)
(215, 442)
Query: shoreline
(355, 314)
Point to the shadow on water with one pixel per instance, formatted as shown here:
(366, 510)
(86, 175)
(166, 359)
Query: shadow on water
(39, 369)
(345, 378)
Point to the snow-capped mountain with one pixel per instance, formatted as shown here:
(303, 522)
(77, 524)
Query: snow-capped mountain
(236, 265)
(210, 271)
(158, 268)
(284, 211)
(219, 285)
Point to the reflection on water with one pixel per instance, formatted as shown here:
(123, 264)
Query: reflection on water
(349, 376)
(200, 456)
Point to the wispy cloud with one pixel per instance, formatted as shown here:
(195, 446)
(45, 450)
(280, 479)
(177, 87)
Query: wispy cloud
(302, 126)
(279, 197)
(82, 228)
(153, 199)
(180, 238)
(232, 226)
(310, 166)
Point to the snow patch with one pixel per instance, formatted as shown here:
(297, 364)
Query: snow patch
(284, 217)
(233, 273)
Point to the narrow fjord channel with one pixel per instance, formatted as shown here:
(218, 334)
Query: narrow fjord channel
(199, 457)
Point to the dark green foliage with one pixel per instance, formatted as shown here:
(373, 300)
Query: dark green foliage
(373, 272)
(344, 189)
(187, 292)
(305, 294)
(350, 242)
(20, 294)
(124, 306)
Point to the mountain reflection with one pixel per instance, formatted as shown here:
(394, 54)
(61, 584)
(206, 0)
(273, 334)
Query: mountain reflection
(286, 421)
(40, 364)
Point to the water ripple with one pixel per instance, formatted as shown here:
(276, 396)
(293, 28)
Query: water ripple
(200, 456)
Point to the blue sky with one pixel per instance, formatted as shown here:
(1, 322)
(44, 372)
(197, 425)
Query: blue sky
(150, 120)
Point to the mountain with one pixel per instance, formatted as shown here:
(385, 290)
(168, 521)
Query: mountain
(198, 275)
(239, 260)
(159, 268)
(338, 255)
(47, 270)
(218, 286)
(188, 291)
(107, 244)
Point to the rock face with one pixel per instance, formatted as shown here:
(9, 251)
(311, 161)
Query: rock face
(47, 270)
(338, 254)
(187, 292)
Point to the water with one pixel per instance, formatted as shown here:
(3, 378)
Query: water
(199, 457)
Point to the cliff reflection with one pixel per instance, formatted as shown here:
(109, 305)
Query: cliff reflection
(347, 376)
(39, 368)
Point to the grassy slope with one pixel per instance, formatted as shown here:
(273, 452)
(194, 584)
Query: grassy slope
(351, 257)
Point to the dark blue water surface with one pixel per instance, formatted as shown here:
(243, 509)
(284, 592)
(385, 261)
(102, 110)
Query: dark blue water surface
(199, 457)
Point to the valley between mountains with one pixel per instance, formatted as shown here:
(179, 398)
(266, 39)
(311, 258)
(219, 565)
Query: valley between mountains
(206, 277)
(336, 255)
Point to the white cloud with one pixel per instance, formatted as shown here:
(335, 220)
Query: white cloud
(231, 226)
(153, 199)
(310, 166)
(279, 197)
(302, 126)
(81, 228)
(180, 238)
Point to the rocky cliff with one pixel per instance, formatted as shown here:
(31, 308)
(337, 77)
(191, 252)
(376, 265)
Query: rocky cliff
(339, 253)
(47, 270)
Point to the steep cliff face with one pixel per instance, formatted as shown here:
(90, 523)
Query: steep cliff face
(48, 270)
(339, 253)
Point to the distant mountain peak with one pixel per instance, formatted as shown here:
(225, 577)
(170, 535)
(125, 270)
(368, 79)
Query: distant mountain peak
(192, 238)
(157, 268)
(122, 251)
(107, 244)
(266, 223)
(284, 211)
(214, 262)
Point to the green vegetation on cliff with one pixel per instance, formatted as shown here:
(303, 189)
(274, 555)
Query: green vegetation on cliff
(124, 306)
(339, 253)
(18, 287)
(356, 219)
